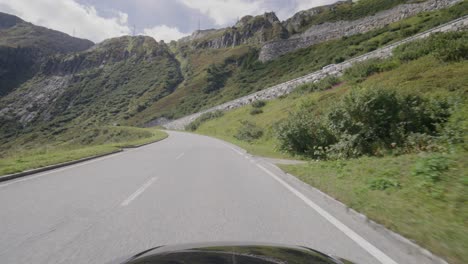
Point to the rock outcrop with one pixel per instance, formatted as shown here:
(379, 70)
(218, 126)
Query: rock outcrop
(334, 69)
(248, 30)
(334, 30)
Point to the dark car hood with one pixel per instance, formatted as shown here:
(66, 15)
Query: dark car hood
(230, 253)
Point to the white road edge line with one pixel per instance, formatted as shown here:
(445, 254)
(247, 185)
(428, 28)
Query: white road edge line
(371, 249)
(27, 178)
(138, 192)
(180, 156)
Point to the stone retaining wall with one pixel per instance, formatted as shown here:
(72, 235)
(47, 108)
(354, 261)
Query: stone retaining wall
(334, 69)
(328, 31)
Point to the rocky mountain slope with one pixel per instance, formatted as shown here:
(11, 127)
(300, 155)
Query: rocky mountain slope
(110, 81)
(24, 46)
(137, 80)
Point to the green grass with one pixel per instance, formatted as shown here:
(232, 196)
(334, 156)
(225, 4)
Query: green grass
(425, 76)
(433, 216)
(101, 142)
(389, 190)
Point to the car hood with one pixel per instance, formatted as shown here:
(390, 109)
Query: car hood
(227, 253)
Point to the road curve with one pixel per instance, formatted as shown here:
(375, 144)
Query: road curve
(187, 188)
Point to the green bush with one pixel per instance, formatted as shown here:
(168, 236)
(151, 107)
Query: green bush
(248, 132)
(304, 134)
(256, 111)
(216, 77)
(432, 167)
(449, 46)
(259, 104)
(455, 133)
(361, 70)
(383, 184)
(203, 118)
(365, 122)
(324, 84)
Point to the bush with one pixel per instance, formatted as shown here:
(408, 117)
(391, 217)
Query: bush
(365, 122)
(383, 184)
(447, 47)
(248, 132)
(304, 134)
(203, 118)
(259, 104)
(324, 84)
(416, 142)
(431, 168)
(361, 70)
(216, 77)
(256, 111)
(455, 133)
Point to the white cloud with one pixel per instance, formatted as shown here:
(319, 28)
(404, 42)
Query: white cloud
(224, 12)
(307, 4)
(164, 32)
(69, 17)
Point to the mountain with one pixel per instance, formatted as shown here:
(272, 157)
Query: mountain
(24, 46)
(111, 81)
(51, 82)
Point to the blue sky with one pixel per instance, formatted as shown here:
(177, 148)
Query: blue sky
(162, 19)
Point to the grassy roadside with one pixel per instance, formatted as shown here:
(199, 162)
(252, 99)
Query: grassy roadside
(225, 128)
(421, 196)
(388, 192)
(45, 155)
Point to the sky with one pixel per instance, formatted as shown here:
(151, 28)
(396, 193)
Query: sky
(166, 20)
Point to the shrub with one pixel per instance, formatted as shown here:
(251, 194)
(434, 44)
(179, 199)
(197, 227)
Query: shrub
(324, 84)
(431, 167)
(256, 111)
(259, 104)
(449, 46)
(248, 132)
(203, 118)
(455, 133)
(365, 122)
(216, 77)
(361, 70)
(304, 134)
(421, 142)
(383, 184)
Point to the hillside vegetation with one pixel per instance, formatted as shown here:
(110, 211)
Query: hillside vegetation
(242, 73)
(136, 80)
(35, 152)
(389, 139)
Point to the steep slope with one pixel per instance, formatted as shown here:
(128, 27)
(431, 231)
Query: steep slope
(241, 73)
(24, 46)
(345, 19)
(108, 83)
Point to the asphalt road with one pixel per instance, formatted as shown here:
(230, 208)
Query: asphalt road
(184, 189)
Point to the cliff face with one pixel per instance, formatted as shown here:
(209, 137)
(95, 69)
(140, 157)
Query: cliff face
(334, 30)
(248, 30)
(302, 19)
